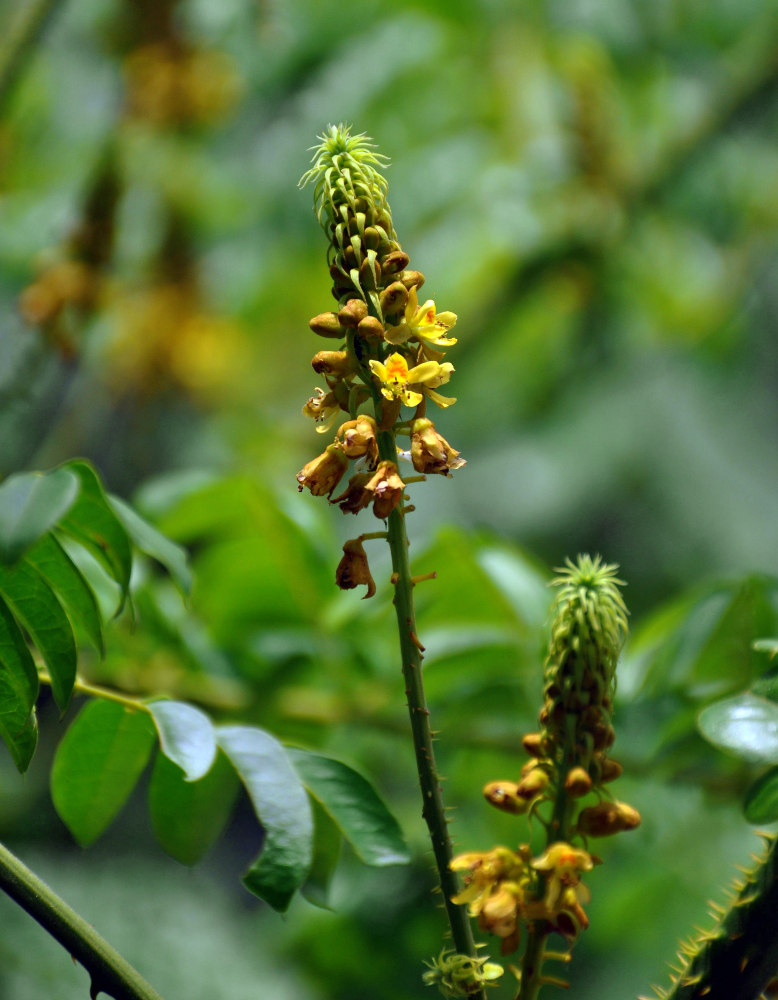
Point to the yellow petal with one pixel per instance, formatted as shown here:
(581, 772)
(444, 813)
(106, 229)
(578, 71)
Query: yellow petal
(378, 369)
(442, 401)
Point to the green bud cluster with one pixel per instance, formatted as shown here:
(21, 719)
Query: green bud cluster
(349, 196)
(588, 630)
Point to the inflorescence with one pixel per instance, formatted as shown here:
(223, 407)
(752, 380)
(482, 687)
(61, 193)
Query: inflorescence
(388, 349)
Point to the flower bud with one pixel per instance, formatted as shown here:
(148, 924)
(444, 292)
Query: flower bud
(332, 363)
(386, 488)
(327, 325)
(370, 327)
(322, 474)
(532, 743)
(395, 261)
(430, 452)
(577, 782)
(609, 770)
(412, 279)
(533, 784)
(371, 238)
(504, 796)
(394, 298)
(353, 569)
(352, 313)
(607, 818)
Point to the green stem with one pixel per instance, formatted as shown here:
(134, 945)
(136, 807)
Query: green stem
(95, 691)
(433, 809)
(108, 971)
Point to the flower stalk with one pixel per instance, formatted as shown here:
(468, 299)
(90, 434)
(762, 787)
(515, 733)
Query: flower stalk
(387, 357)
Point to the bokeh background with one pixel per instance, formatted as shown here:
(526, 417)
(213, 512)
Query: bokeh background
(593, 188)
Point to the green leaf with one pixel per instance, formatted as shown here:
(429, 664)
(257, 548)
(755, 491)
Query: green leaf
(154, 544)
(18, 691)
(37, 608)
(283, 809)
(745, 725)
(761, 802)
(189, 816)
(97, 765)
(354, 805)
(67, 582)
(326, 852)
(186, 736)
(92, 522)
(31, 504)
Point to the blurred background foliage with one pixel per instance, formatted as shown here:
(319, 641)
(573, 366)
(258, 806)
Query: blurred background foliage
(592, 188)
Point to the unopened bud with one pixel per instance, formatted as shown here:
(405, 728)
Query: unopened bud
(370, 327)
(395, 261)
(577, 782)
(610, 770)
(394, 298)
(327, 325)
(371, 238)
(504, 795)
(332, 363)
(533, 784)
(370, 274)
(412, 279)
(532, 744)
(607, 818)
(353, 312)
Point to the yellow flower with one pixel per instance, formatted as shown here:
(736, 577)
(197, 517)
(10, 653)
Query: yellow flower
(564, 865)
(400, 382)
(422, 322)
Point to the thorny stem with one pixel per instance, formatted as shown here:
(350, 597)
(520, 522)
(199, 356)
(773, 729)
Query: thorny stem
(433, 810)
(108, 971)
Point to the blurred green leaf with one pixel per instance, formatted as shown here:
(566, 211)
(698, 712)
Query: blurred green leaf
(18, 691)
(766, 646)
(55, 566)
(189, 816)
(153, 543)
(97, 765)
(761, 801)
(354, 805)
(31, 503)
(37, 608)
(745, 725)
(282, 807)
(186, 736)
(327, 842)
(92, 522)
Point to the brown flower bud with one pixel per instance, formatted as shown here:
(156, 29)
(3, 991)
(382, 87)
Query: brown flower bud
(353, 569)
(577, 782)
(532, 743)
(610, 770)
(370, 327)
(430, 452)
(386, 487)
(503, 795)
(395, 261)
(355, 497)
(412, 279)
(332, 362)
(394, 298)
(533, 784)
(607, 818)
(322, 474)
(358, 437)
(353, 312)
(327, 325)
